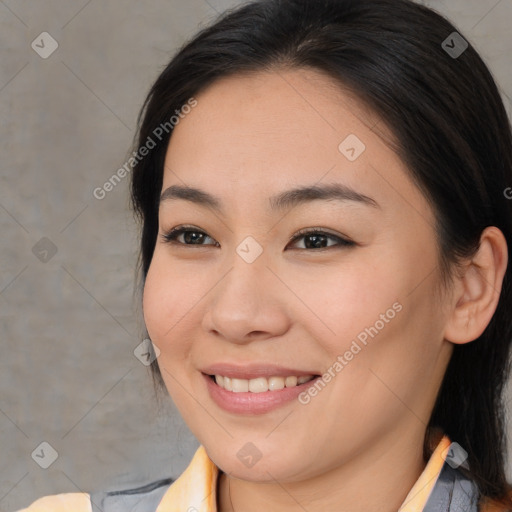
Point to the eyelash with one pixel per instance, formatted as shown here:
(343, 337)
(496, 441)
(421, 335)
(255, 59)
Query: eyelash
(170, 237)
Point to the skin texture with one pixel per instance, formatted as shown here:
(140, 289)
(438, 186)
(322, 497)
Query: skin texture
(251, 137)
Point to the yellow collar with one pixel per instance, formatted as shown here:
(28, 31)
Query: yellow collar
(195, 489)
(417, 498)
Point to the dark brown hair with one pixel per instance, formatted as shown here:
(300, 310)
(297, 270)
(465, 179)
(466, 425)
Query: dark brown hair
(450, 128)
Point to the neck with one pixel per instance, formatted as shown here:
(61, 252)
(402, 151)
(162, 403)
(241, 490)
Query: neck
(378, 478)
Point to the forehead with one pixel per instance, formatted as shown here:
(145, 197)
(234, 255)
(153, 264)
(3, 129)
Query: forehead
(291, 113)
(260, 133)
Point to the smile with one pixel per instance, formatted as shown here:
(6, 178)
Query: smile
(260, 384)
(258, 395)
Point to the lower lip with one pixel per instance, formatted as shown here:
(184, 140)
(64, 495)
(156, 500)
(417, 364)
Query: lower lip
(253, 403)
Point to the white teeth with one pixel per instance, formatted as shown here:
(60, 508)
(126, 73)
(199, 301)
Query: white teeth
(291, 381)
(260, 384)
(240, 385)
(275, 383)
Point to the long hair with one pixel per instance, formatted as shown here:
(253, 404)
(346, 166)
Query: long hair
(450, 128)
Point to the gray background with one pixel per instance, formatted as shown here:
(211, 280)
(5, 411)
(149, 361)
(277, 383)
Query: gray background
(69, 326)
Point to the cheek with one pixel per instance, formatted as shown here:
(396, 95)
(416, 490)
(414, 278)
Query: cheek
(163, 302)
(171, 298)
(380, 319)
(152, 306)
(160, 297)
(367, 319)
(162, 309)
(353, 299)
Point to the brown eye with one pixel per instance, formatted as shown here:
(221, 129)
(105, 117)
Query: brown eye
(192, 236)
(315, 239)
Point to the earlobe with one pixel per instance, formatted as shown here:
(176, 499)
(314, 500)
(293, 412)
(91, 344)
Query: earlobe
(478, 289)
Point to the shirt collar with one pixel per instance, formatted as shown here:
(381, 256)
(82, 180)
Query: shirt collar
(196, 488)
(417, 498)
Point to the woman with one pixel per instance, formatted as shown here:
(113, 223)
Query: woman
(340, 339)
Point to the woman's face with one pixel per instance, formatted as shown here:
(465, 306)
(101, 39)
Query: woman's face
(355, 304)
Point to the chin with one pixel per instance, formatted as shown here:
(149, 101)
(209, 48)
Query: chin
(269, 467)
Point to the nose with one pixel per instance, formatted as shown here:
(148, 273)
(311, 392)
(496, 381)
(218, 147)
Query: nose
(249, 303)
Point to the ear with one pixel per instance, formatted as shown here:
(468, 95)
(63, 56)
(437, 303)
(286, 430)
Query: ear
(477, 292)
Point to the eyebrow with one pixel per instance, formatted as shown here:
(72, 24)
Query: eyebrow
(286, 199)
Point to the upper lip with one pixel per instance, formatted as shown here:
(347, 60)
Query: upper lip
(253, 370)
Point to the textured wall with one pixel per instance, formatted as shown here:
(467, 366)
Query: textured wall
(68, 323)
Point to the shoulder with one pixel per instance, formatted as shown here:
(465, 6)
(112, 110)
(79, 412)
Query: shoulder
(76, 502)
(143, 498)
